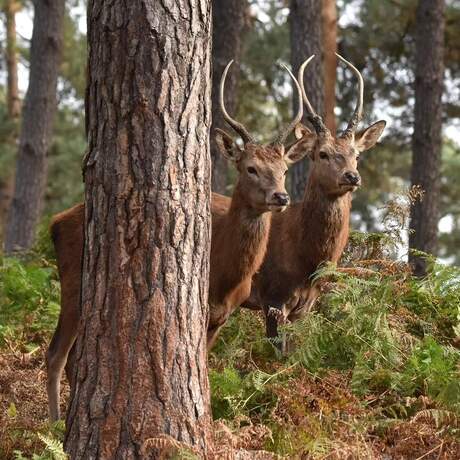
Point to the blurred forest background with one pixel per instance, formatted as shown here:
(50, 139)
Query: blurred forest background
(375, 371)
(377, 36)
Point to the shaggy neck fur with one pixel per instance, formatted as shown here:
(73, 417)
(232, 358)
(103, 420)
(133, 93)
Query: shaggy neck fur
(324, 224)
(239, 242)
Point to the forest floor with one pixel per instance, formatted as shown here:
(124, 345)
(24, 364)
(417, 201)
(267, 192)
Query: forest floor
(373, 373)
(323, 414)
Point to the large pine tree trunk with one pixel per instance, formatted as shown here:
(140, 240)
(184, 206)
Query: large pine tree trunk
(427, 137)
(141, 372)
(329, 31)
(305, 24)
(37, 122)
(228, 24)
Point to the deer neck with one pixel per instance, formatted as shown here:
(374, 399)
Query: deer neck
(250, 229)
(324, 225)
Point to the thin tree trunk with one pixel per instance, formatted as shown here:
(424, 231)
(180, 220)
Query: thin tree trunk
(38, 114)
(427, 137)
(228, 24)
(12, 96)
(305, 25)
(10, 7)
(141, 373)
(330, 61)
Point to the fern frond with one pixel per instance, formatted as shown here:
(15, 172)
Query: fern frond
(53, 446)
(441, 418)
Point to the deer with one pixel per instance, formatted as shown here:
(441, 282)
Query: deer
(316, 229)
(238, 243)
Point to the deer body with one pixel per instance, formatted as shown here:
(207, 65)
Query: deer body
(315, 230)
(239, 239)
(235, 257)
(306, 235)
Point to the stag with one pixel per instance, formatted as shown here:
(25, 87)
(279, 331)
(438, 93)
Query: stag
(239, 237)
(316, 229)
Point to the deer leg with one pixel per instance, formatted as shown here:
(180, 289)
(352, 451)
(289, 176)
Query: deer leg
(306, 304)
(56, 358)
(213, 333)
(275, 317)
(70, 365)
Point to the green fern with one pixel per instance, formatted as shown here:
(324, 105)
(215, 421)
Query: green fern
(53, 446)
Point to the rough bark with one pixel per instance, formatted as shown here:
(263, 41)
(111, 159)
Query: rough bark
(427, 137)
(329, 30)
(141, 373)
(12, 95)
(37, 123)
(229, 18)
(305, 28)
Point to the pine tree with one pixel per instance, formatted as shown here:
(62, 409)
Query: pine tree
(305, 23)
(37, 124)
(427, 137)
(141, 383)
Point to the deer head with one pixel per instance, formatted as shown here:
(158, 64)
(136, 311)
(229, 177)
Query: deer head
(334, 160)
(261, 168)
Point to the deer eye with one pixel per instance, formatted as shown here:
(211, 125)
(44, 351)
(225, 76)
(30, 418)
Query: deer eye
(358, 156)
(252, 170)
(323, 155)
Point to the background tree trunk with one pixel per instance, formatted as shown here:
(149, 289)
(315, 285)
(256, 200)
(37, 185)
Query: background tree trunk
(305, 24)
(13, 103)
(229, 18)
(329, 31)
(427, 137)
(12, 95)
(37, 123)
(141, 370)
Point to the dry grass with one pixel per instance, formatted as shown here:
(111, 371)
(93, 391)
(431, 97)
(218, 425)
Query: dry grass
(23, 402)
(320, 414)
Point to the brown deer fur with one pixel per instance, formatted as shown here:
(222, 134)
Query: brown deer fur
(310, 232)
(239, 240)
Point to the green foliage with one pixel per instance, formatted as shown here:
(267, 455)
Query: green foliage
(29, 300)
(266, 42)
(393, 332)
(51, 437)
(65, 186)
(390, 337)
(236, 394)
(432, 369)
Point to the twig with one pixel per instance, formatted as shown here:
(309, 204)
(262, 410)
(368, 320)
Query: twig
(430, 451)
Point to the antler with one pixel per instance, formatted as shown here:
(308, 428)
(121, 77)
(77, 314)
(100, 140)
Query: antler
(281, 138)
(358, 113)
(313, 117)
(238, 127)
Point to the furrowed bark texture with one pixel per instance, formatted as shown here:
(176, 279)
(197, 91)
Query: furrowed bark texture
(329, 31)
(37, 124)
(141, 374)
(229, 18)
(427, 137)
(305, 24)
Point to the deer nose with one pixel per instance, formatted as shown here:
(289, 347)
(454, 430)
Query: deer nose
(352, 177)
(281, 198)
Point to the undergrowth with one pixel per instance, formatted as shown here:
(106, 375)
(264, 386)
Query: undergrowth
(373, 372)
(388, 338)
(376, 364)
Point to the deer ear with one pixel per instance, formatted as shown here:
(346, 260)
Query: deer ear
(300, 131)
(367, 138)
(227, 146)
(300, 148)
